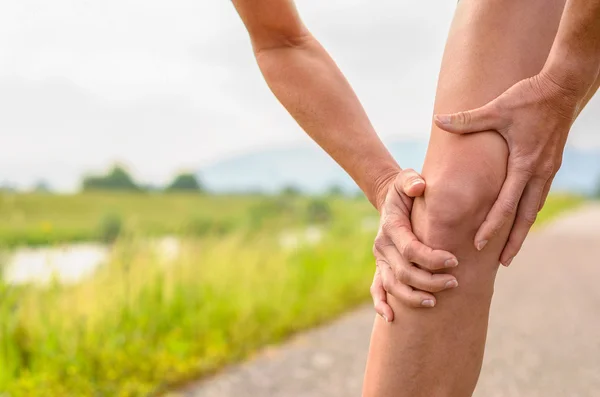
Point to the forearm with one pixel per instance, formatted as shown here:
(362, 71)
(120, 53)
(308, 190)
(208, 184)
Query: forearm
(310, 86)
(574, 60)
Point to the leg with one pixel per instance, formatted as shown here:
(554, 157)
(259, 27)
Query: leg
(438, 352)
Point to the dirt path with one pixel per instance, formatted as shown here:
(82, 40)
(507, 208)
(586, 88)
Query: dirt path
(544, 337)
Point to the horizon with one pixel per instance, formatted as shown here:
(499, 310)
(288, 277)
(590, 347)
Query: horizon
(165, 89)
(272, 153)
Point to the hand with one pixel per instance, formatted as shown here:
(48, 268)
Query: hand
(405, 265)
(534, 116)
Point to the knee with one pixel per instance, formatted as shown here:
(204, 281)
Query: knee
(453, 208)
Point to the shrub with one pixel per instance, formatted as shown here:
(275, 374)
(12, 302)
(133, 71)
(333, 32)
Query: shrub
(203, 226)
(185, 183)
(111, 226)
(269, 209)
(117, 179)
(318, 211)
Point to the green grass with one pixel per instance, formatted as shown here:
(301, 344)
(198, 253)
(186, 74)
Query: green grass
(556, 204)
(40, 219)
(142, 325)
(33, 219)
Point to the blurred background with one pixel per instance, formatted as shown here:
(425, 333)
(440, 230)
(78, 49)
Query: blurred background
(161, 215)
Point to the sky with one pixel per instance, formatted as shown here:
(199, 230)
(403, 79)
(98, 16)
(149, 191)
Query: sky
(169, 86)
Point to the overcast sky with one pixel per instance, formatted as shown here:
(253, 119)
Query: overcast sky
(169, 85)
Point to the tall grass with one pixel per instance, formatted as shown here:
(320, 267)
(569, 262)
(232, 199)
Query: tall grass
(141, 323)
(145, 322)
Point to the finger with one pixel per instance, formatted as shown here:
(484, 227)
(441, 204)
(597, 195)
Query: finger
(414, 277)
(380, 298)
(528, 210)
(504, 208)
(545, 193)
(410, 183)
(404, 293)
(484, 118)
(412, 250)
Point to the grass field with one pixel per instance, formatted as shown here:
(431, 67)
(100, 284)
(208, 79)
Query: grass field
(35, 219)
(143, 324)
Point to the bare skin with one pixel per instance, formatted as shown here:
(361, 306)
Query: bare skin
(535, 116)
(435, 350)
(438, 352)
(310, 86)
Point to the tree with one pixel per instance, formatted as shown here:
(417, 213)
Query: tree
(116, 179)
(597, 192)
(186, 182)
(291, 191)
(335, 191)
(318, 211)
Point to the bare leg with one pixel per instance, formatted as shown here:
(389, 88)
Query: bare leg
(438, 352)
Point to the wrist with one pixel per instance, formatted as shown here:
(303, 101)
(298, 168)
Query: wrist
(574, 75)
(382, 185)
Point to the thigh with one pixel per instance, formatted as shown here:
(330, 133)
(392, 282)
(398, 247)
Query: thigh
(492, 44)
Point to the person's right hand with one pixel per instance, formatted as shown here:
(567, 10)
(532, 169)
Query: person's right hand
(404, 264)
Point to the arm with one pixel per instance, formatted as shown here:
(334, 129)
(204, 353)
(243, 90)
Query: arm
(310, 86)
(574, 60)
(534, 116)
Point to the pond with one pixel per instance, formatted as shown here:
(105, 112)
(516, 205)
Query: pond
(69, 263)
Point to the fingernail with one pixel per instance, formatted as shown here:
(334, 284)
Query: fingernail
(451, 263)
(481, 244)
(416, 182)
(428, 303)
(384, 317)
(507, 262)
(451, 284)
(444, 119)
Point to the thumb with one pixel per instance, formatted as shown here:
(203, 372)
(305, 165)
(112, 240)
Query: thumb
(410, 183)
(481, 119)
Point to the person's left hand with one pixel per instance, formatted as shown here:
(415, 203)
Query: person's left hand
(534, 116)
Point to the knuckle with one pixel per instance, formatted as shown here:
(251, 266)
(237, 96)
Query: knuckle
(378, 245)
(558, 163)
(402, 275)
(376, 248)
(530, 217)
(388, 225)
(514, 245)
(374, 290)
(463, 117)
(387, 285)
(408, 250)
(508, 207)
(525, 167)
(546, 169)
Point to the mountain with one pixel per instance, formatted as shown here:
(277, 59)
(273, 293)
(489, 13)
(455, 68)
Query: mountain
(310, 169)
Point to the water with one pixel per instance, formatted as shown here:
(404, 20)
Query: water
(71, 263)
(66, 264)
